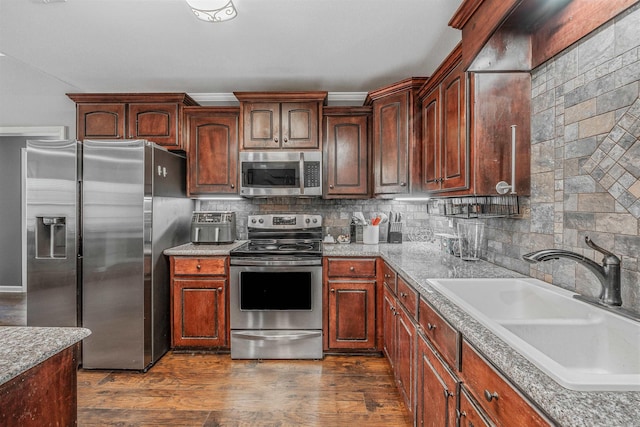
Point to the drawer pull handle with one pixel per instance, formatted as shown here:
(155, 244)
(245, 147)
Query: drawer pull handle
(352, 268)
(403, 294)
(447, 394)
(431, 326)
(198, 266)
(461, 413)
(490, 396)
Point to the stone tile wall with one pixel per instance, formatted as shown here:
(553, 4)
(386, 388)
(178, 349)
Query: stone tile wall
(585, 162)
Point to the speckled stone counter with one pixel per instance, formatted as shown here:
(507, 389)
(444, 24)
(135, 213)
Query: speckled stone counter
(203, 249)
(418, 262)
(23, 347)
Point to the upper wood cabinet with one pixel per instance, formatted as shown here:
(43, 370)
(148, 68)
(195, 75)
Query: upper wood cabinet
(211, 141)
(289, 120)
(155, 117)
(466, 135)
(396, 137)
(444, 139)
(346, 152)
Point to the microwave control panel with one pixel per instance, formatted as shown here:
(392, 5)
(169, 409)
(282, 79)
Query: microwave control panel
(312, 174)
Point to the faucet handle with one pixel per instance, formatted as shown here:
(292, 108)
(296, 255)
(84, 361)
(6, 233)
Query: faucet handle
(609, 258)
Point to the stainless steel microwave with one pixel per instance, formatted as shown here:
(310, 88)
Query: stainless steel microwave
(281, 173)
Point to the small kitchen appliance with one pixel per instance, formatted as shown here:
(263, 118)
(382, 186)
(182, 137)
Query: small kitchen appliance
(213, 227)
(276, 289)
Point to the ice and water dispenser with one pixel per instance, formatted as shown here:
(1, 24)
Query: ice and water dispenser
(51, 237)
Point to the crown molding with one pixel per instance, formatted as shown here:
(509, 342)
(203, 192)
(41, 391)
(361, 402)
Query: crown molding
(354, 98)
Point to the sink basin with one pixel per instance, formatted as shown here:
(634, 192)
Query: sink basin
(581, 346)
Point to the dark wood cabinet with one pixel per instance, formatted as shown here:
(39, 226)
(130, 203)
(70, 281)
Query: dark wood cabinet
(351, 288)
(503, 404)
(211, 142)
(469, 414)
(405, 356)
(466, 134)
(436, 388)
(389, 309)
(346, 152)
(396, 137)
(199, 302)
(155, 117)
(289, 120)
(444, 141)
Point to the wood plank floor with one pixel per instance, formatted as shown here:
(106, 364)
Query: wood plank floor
(213, 390)
(210, 390)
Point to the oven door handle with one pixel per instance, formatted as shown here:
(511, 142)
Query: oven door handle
(301, 173)
(265, 261)
(276, 335)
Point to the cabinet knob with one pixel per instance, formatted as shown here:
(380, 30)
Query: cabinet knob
(198, 266)
(275, 139)
(233, 186)
(403, 184)
(461, 413)
(220, 289)
(331, 186)
(490, 396)
(403, 294)
(447, 394)
(286, 139)
(352, 268)
(431, 326)
(333, 290)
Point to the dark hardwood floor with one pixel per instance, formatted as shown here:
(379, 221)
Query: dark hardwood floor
(185, 389)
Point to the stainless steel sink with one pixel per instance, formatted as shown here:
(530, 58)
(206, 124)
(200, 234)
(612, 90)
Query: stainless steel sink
(581, 346)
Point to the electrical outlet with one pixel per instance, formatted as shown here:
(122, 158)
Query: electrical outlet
(450, 223)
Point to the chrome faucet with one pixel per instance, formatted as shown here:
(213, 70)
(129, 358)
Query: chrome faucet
(608, 273)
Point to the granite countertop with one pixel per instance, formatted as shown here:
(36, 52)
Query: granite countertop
(418, 262)
(203, 249)
(23, 347)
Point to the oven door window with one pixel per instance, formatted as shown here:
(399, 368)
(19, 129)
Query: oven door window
(275, 291)
(271, 174)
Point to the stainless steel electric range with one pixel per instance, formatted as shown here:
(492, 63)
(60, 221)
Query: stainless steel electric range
(276, 289)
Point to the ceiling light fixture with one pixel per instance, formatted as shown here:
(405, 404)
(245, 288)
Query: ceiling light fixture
(213, 10)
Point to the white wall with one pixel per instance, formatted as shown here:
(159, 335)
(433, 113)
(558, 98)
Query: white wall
(29, 97)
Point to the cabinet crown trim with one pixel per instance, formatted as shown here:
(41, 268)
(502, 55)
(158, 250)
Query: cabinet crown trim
(181, 98)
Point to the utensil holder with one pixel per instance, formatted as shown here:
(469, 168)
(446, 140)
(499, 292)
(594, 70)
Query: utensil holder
(371, 234)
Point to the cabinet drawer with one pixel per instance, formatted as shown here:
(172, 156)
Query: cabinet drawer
(443, 336)
(351, 267)
(200, 266)
(389, 276)
(500, 401)
(469, 415)
(408, 297)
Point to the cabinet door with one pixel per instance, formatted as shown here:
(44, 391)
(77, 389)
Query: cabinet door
(454, 162)
(469, 414)
(199, 315)
(389, 325)
(391, 144)
(431, 147)
(347, 148)
(100, 121)
(154, 122)
(435, 389)
(352, 314)
(261, 125)
(405, 356)
(212, 152)
(299, 122)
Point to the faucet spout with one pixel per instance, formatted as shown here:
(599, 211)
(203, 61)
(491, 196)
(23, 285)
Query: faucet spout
(608, 273)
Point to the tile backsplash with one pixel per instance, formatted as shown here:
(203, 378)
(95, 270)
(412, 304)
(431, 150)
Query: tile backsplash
(585, 166)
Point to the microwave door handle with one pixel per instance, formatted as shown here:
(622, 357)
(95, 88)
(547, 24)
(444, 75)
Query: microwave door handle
(301, 173)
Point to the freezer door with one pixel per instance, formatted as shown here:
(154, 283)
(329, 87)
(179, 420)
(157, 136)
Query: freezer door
(51, 181)
(115, 294)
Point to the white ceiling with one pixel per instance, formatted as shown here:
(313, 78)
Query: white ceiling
(160, 46)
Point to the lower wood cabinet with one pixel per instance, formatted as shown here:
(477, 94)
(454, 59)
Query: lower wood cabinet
(350, 309)
(436, 388)
(442, 378)
(503, 403)
(199, 302)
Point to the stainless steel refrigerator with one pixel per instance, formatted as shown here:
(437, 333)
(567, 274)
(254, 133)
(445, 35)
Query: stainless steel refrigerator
(131, 195)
